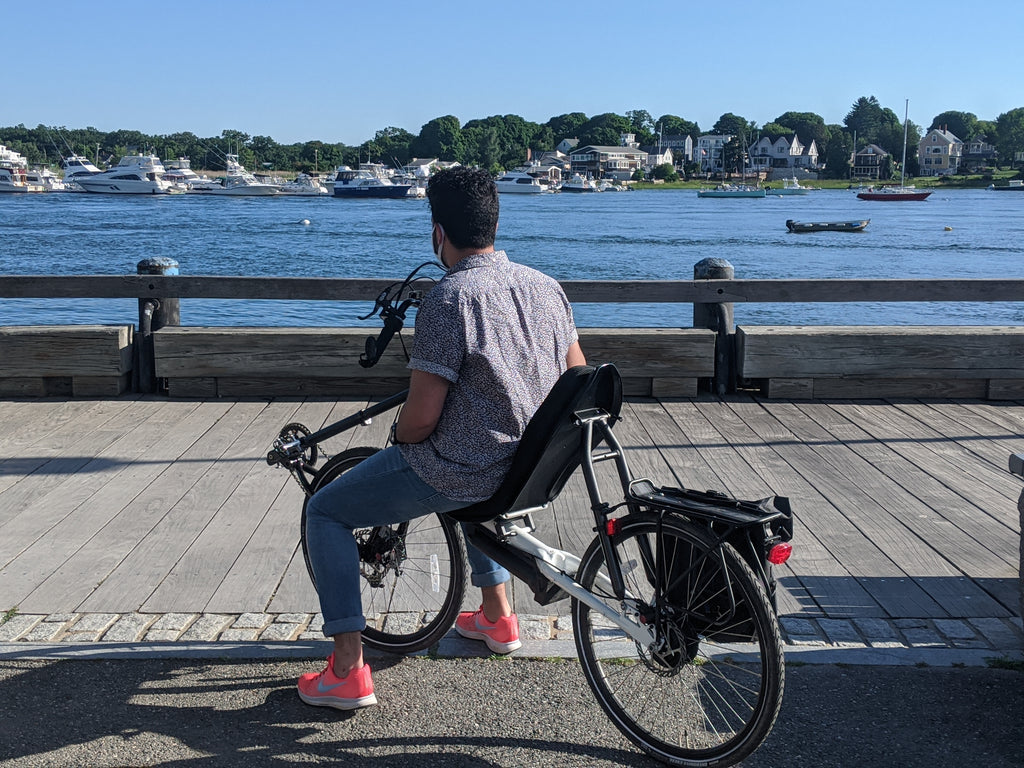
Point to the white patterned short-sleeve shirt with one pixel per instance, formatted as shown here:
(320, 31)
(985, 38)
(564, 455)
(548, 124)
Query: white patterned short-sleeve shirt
(499, 332)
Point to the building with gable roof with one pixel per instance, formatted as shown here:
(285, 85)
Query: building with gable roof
(939, 153)
(785, 153)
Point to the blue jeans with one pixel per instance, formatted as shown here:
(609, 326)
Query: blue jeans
(382, 490)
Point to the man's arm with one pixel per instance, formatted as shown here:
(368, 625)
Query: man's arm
(422, 410)
(575, 356)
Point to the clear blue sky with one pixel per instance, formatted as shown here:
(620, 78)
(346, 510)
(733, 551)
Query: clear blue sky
(339, 70)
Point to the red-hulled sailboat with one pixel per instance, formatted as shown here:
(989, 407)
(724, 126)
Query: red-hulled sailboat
(901, 192)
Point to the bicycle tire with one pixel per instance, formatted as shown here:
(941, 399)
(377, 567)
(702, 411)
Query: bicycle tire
(412, 589)
(711, 694)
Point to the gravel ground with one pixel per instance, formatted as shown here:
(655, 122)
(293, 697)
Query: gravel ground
(495, 713)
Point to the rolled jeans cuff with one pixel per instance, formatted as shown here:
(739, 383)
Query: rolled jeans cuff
(338, 626)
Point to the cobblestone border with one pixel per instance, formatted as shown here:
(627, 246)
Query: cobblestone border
(992, 634)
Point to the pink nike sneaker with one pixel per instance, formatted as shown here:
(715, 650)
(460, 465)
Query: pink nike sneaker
(501, 636)
(325, 689)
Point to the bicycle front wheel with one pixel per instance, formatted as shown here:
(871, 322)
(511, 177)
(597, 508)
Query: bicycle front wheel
(707, 690)
(413, 574)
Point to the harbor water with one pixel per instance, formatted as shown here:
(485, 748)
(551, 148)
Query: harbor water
(641, 235)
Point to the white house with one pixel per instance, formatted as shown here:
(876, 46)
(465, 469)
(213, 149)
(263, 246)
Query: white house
(658, 155)
(709, 152)
(607, 162)
(784, 153)
(420, 167)
(681, 146)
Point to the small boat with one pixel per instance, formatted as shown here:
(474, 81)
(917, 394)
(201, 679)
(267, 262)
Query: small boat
(1014, 186)
(520, 183)
(304, 184)
(363, 183)
(902, 192)
(827, 226)
(732, 190)
(238, 182)
(179, 172)
(789, 187)
(893, 193)
(13, 176)
(579, 184)
(133, 175)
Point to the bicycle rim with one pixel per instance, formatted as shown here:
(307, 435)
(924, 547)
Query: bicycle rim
(710, 691)
(413, 573)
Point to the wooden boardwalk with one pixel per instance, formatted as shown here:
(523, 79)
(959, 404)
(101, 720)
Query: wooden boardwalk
(904, 509)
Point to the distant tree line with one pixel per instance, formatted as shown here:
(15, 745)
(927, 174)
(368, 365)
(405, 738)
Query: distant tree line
(503, 142)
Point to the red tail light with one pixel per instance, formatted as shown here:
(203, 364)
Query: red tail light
(613, 526)
(780, 553)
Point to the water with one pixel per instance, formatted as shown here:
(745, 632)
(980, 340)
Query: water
(611, 236)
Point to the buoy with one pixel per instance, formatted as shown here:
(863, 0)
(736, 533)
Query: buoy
(304, 222)
(948, 229)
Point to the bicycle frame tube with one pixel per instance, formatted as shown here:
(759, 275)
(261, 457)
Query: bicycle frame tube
(354, 420)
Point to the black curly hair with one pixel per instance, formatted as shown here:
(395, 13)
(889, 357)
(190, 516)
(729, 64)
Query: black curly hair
(464, 201)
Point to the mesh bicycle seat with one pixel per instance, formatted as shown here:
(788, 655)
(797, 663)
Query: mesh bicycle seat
(549, 451)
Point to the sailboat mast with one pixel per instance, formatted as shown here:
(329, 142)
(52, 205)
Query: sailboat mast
(903, 164)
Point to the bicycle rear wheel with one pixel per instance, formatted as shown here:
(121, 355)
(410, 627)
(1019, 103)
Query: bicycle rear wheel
(413, 573)
(708, 690)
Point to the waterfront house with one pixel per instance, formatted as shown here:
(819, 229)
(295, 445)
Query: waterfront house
(602, 162)
(978, 154)
(868, 162)
(420, 167)
(681, 146)
(783, 155)
(939, 153)
(565, 146)
(710, 152)
(658, 155)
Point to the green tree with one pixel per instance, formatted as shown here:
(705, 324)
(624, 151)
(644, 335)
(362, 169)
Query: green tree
(567, 126)
(440, 138)
(807, 125)
(837, 153)
(604, 130)
(1009, 138)
(671, 125)
(963, 125)
(642, 125)
(734, 125)
(665, 172)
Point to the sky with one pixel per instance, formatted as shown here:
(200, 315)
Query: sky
(340, 70)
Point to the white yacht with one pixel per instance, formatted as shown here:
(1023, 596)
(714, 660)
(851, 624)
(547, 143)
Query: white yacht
(47, 179)
(579, 184)
(520, 183)
(364, 183)
(12, 172)
(304, 184)
(75, 166)
(238, 182)
(134, 175)
(179, 172)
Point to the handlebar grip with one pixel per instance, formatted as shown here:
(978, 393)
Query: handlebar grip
(375, 347)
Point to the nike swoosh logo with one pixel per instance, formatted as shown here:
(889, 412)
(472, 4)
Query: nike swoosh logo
(325, 688)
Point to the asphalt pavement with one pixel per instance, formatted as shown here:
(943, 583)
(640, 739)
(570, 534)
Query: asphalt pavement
(476, 713)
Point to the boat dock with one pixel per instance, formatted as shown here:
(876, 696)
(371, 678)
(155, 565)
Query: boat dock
(142, 518)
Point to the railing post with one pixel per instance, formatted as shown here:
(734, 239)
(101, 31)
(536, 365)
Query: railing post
(1017, 468)
(719, 318)
(154, 314)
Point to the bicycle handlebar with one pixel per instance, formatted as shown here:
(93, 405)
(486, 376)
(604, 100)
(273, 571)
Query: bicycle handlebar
(391, 304)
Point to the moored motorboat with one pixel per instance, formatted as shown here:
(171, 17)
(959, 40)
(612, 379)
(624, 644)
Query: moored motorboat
(13, 172)
(133, 175)
(827, 226)
(789, 187)
(305, 185)
(731, 190)
(579, 184)
(362, 183)
(520, 183)
(1014, 186)
(237, 182)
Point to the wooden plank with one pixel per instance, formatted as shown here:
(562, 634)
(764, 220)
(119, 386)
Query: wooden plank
(951, 523)
(25, 386)
(868, 550)
(241, 492)
(871, 498)
(100, 386)
(66, 350)
(653, 352)
(819, 581)
(860, 387)
(202, 489)
(41, 500)
(647, 291)
(942, 352)
(1006, 389)
(84, 508)
(202, 435)
(53, 445)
